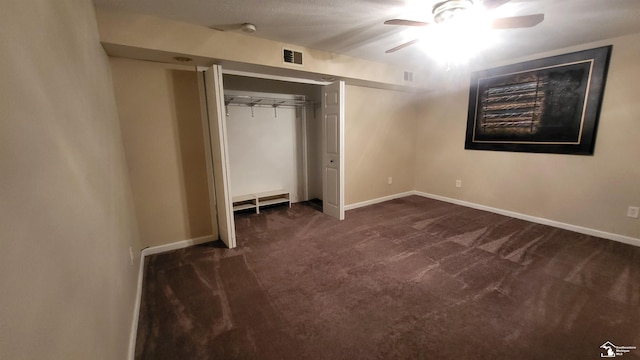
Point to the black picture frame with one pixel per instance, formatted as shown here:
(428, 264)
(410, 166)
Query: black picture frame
(548, 105)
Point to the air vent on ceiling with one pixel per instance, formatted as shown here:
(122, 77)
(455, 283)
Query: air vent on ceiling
(408, 76)
(292, 56)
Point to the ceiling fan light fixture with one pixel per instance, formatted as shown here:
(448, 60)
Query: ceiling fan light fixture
(464, 33)
(460, 29)
(450, 9)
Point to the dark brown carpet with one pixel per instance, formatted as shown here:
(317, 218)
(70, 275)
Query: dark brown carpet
(411, 278)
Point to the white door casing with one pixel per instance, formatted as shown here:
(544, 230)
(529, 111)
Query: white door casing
(204, 116)
(333, 149)
(215, 140)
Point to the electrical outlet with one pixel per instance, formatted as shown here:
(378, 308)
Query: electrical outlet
(633, 212)
(390, 180)
(131, 254)
(458, 183)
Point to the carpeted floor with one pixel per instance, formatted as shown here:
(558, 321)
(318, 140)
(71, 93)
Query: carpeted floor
(411, 278)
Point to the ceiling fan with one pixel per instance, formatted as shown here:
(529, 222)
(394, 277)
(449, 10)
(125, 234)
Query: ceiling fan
(445, 11)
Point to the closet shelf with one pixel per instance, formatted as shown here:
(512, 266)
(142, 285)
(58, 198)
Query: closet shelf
(261, 101)
(257, 200)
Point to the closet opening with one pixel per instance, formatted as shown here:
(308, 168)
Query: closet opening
(274, 134)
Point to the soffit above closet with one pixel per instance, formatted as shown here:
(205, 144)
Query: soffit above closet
(356, 28)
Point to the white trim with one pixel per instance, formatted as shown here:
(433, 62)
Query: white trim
(275, 77)
(201, 240)
(343, 120)
(575, 228)
(176, 245)
(206, 132)
(144, 253)
(136, 311)
(305, 154)
(216, 117)
(378, 200)
(329, 160)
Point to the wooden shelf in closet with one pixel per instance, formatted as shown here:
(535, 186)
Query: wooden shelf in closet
(255, 201)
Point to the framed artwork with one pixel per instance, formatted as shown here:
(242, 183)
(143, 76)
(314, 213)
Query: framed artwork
(548, 105)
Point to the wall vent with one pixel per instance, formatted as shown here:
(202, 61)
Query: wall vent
(292, 57)
(408, 76)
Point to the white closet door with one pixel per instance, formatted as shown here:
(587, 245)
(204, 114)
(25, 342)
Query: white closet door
(333, 150)
(215, 132)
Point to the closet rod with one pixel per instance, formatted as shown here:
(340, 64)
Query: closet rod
(261, 101)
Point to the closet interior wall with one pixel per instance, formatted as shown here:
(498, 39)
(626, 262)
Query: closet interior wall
(266, 144)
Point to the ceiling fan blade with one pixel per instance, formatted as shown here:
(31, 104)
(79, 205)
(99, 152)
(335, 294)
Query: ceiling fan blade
(516, 22)
(405, 22)
(492, 4)
(402, 46)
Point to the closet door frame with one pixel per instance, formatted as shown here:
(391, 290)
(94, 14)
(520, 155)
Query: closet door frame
(339, 212)
(214, 125)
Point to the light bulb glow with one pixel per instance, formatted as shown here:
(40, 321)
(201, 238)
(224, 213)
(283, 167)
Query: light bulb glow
(457, 39)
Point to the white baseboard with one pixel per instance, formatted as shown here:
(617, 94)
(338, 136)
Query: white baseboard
(579, 229)
(176, 245)
(136, 310)
(186, 243)
(378, 200)
(151, 251)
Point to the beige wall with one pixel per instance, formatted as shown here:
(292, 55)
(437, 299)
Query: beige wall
(422, 146)
(159, 110)
(587, 191)
(66, 213)
(379, 143)
(149, 37)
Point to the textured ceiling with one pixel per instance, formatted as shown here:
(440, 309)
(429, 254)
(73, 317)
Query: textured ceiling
(355, 27)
